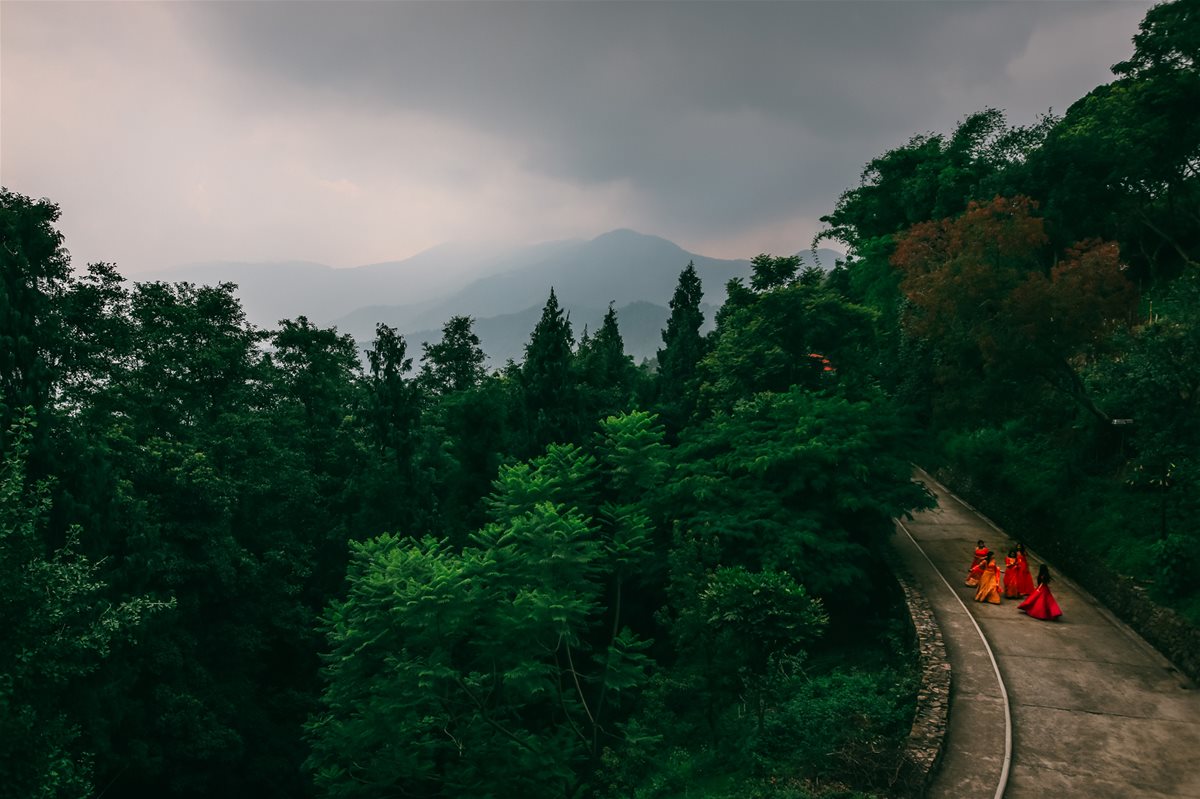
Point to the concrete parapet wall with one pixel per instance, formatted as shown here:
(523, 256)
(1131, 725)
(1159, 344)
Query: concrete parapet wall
(928, 733)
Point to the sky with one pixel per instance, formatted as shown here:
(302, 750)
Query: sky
(349, 133)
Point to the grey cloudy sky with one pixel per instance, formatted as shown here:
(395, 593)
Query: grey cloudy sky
(357, 132)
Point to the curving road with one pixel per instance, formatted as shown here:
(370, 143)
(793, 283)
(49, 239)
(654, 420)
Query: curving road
(1092, 710)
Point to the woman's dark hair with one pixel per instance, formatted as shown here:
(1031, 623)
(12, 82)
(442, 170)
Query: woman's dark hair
(1020, 547)
(1012, 553)
(1043, 574)
(979, 543)
(991, 556)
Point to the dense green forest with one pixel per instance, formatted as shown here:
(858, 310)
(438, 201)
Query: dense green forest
(248, 562)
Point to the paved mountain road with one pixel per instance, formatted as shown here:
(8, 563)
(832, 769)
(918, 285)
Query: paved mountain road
(1094, 710)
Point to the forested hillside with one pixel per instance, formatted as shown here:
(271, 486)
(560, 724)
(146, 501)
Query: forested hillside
(237, 562)
(244, 561)
(1041, 291)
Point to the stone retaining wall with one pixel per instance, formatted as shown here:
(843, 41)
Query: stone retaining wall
(1167, 631)
(925, 739)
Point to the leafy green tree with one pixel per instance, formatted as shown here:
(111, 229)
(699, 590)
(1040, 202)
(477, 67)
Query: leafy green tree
(932, 177)
(316, 366)
(564, 474)
(770, 272)
(1123, 164)
(59, 627)
(768, 618)
(1153, 378)
(456, 362)
(394, 401)
(766, 342)
(477, 672)
(797, 481)
(397, 487)
(633, 463)
(34, 270)
(471, 432)
(1168, 40)
(455, 431)
(214, 500)
(96, 317)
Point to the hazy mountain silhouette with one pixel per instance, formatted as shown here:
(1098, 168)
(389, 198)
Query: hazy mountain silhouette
(622, 266)
(503, 290)
(276, 290)
(504, 337)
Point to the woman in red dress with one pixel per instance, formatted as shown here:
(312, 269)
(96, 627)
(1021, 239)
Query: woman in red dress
(1024, 578)
(981, 553)
(975, 573)
(1012, 576)
(989, 581)
(1041, 604)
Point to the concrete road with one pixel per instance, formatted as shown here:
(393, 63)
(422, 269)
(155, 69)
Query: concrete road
(1092, 710)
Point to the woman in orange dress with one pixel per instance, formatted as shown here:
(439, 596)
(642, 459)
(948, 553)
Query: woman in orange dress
(1012, 576)
(1024, 578)
(1041, 604)
(989, 581)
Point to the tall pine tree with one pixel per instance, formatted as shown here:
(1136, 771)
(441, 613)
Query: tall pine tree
(683, 348)
(607, 373)
(549, 395)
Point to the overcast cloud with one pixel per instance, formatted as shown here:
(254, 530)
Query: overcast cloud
(351, 133)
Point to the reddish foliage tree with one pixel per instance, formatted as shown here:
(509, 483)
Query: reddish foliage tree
(987, 282)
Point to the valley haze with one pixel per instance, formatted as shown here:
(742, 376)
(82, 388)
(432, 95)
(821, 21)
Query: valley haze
(503, 289)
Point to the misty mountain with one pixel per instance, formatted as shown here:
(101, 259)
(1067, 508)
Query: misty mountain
(622, 267)
(502, 289)
(271, 291)
(504, 337)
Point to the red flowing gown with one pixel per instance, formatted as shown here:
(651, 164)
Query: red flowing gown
(974, 575)
(1012, 577)
(1041, 604)
(1024, 578)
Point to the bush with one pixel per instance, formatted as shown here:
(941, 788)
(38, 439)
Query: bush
(845, 726)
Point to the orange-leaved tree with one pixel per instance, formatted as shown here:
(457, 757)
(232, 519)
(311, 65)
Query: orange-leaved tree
(995, 301)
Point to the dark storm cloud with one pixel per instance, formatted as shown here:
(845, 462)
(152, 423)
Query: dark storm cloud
(356, 132)
(718, 114)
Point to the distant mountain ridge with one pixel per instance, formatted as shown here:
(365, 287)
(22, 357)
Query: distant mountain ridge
(502, 290)
(504, 337)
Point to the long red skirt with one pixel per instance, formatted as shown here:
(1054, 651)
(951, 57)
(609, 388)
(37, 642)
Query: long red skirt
(1041, 604)
(1024, 580)
(1011, 576)
(974, 575)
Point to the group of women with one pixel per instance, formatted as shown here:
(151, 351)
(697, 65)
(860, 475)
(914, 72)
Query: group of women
(1015, 582)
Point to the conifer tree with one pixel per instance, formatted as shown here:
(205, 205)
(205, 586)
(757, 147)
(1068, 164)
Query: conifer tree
(607, 372)
(549, 396)
(683, 348)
